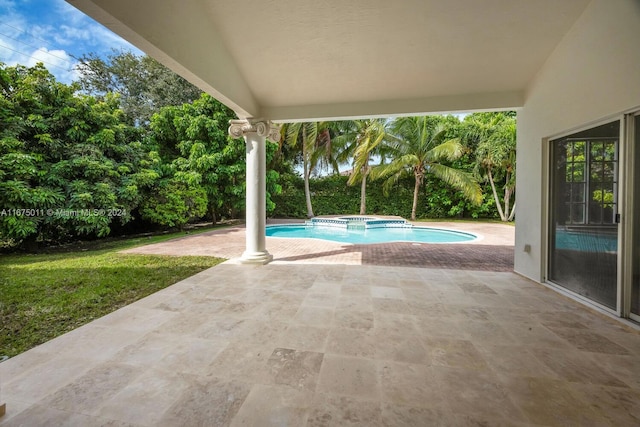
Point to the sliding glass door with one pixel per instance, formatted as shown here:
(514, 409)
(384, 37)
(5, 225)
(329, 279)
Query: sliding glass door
(635, 227)
(583, 244)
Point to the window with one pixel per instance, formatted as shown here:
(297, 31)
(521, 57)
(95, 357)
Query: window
(590, 184)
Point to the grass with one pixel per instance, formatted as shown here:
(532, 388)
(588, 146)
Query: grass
(43, 296)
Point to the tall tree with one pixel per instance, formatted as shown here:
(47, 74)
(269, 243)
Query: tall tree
(314, 142)
(193, 140)
(69, 164)
(143, 83)
(361, 140)
(494, 135)
(421, 147)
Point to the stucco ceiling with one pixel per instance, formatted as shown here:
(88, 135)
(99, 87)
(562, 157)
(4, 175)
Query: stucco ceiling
(309, 59)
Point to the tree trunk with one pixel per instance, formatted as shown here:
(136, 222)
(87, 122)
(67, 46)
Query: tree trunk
(507, 197)
(307, 173)
(495, 196)
(307, 191)
(513, 212)
(363, 193)
(214, 218)
(30, 243)
(416, 191)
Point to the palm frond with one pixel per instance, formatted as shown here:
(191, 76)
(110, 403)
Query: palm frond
(448, 150)
(310, 135)
(383, 171)
(460, 180)
(292, 132)
(393, 179)
(394, 171)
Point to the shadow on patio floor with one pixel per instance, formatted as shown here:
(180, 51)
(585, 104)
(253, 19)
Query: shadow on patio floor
(441, 256)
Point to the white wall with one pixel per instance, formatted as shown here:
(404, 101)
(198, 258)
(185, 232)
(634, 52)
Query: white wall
(593, 74)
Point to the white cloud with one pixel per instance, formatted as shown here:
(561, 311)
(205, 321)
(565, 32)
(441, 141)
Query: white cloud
(71, 14)
(7, 4)
(10, 47)
(10, 33)
(58, 62)
(53, 32)
(56, 58)
(115, 41)
(69, 35)
(79, 28)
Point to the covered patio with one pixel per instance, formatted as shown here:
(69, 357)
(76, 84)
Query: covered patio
(567, 68)
(295, 344)
(330, 334)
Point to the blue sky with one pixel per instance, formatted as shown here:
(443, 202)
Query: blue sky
(52, 32)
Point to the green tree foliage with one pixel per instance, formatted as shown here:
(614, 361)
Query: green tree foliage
(174, 202)
(333, 196)
(422, 147)
(69, 160)
(436, 198)
(143, 83)
(494, 137)
(194, 150)
(83, 158)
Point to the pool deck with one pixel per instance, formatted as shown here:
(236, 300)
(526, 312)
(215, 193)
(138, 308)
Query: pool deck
(494, 238)
(314, 340)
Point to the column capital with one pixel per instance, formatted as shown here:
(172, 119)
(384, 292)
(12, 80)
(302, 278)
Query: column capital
(238, 128)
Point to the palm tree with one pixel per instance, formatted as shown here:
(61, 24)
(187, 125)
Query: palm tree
(361, 139)
(495, 137)
(421, 145)
(314, 141)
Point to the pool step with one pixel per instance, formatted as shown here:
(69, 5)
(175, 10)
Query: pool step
(356, 225)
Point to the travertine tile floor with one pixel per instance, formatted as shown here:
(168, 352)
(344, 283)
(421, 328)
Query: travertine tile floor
(335, 345)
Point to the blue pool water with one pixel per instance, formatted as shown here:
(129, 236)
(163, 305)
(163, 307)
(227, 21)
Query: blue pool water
(586, 240)
(370, 235)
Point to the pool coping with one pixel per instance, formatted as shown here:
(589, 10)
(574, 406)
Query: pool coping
(493, 253)
(476, 236)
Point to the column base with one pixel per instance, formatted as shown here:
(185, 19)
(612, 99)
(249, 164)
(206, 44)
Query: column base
(260, 258)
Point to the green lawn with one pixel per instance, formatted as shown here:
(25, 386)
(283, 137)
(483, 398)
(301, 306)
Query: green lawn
(46, 295)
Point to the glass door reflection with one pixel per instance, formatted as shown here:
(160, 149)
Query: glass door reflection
(583, 245)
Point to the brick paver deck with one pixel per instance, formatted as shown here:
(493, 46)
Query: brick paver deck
(493, 251)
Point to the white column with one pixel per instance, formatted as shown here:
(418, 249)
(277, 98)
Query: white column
(255, 135)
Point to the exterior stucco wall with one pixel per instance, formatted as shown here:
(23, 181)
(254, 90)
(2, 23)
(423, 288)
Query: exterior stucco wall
(593, 74)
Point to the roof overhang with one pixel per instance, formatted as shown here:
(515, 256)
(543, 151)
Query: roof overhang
(292, 60)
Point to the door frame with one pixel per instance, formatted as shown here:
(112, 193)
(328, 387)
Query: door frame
(621, 204)
(631, 146)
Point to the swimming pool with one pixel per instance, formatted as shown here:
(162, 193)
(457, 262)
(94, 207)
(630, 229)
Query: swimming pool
(370, 235)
